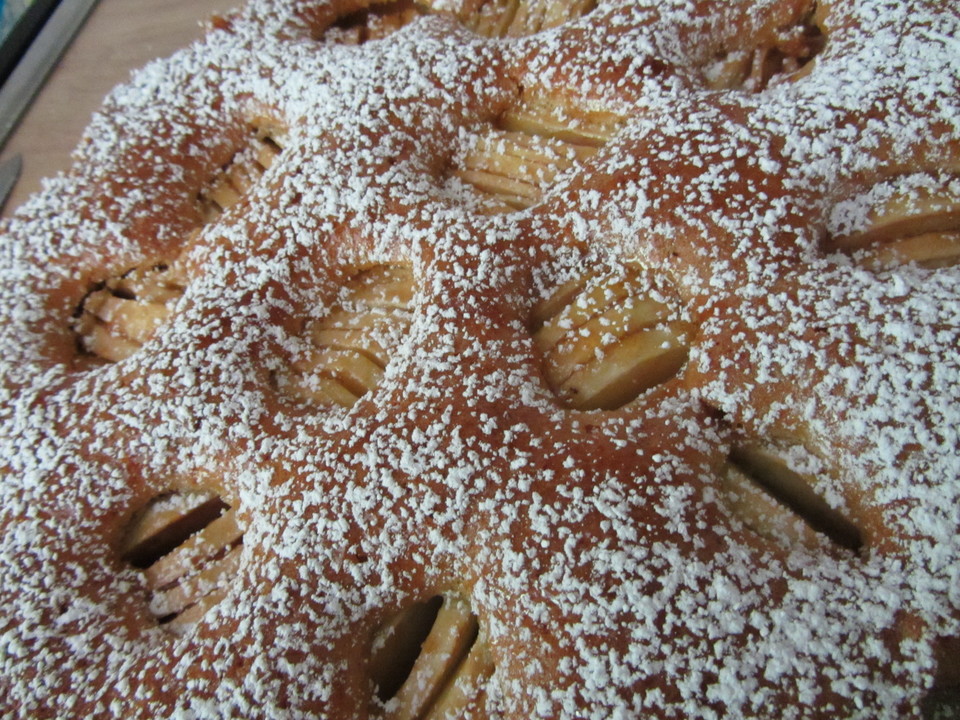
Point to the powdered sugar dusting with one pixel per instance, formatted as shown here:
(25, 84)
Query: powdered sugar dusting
(597, 549)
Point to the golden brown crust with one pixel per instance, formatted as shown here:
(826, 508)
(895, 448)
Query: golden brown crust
(615, 347)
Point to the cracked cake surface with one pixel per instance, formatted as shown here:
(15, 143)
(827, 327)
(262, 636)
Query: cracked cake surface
(495, 359)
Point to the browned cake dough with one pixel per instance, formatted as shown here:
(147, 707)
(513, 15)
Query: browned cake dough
(495, 359)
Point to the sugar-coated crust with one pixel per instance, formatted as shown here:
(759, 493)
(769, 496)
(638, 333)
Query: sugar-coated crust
(610, 569)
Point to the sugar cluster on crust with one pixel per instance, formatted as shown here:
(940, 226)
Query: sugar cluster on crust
(495, 360)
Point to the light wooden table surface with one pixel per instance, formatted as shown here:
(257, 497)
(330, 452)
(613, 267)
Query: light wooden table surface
(119, 36)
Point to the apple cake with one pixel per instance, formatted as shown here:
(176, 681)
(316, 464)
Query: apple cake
(495, 359)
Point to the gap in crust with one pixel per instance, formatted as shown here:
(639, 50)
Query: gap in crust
(943, 700)
(783, 53)
(188, 546)
(374, 21)
(606, 339)
(122, 313)
(350, 347)
(490, 18)
(780, 503)
(909, 219)
(431, 661)
(518, 18)
(266, 138)
(119, 314)
(514, 160)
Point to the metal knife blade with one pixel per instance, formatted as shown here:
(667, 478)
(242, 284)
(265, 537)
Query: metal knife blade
(9, 172)
(40, 58)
